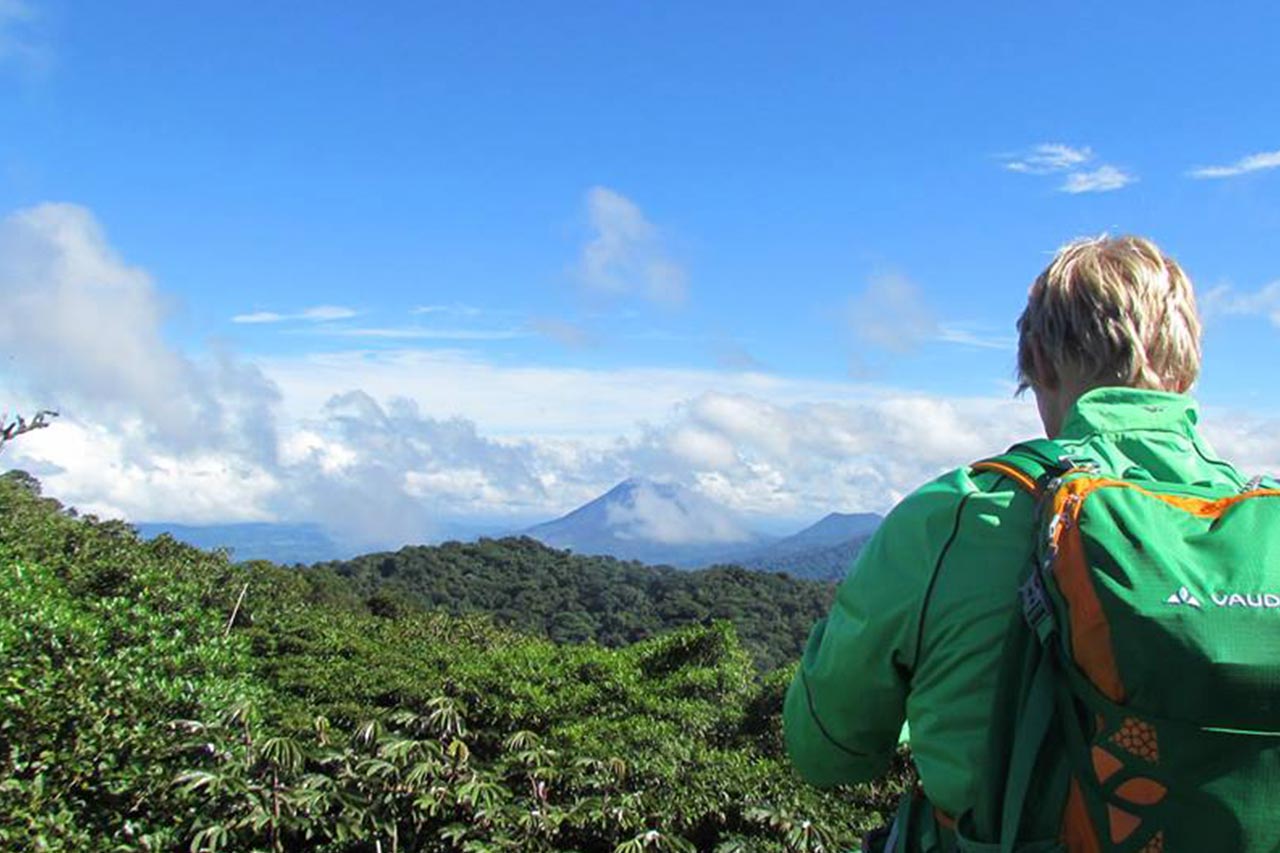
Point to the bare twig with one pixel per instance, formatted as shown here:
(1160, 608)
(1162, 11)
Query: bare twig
(235, 610)
(9, 430)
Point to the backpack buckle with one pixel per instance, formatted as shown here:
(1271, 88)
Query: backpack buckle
(1078, 463)
(1253, 484)
(1035, 606)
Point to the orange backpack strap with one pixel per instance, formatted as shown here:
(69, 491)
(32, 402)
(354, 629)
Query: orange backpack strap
(1030, 464)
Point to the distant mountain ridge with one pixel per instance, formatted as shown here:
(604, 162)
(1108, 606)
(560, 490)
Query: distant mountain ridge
(653, 522)
(823, 551)
(280, 543)
(834, 529)
(628, 522)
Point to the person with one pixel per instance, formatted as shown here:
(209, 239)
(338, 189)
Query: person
(1109, 343)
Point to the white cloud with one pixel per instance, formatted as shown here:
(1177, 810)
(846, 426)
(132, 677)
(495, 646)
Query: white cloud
(1047, 158)
(384, 472)
(318, 314)
(893, 313)
(384, 464)
(1249, 441)
(84, 328)
(702, 448)
(1253, 163)
(686, 519)
(115, 469)
(626, 254)
(381, 446)
(21, 38)
(456, 308)
(420, 333)
(975, 338)
(1225, 300)
(802, 460)
(521, 400)
(1053, 158)
(1100, 180)
(387, 474)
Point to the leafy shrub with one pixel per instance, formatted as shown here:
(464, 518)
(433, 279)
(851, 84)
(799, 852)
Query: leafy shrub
(157, 697)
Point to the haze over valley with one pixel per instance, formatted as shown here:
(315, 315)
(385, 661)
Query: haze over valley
(641, 520)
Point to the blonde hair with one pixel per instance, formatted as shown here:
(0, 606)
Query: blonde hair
(1117, 311)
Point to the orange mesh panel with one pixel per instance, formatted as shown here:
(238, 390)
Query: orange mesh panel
(1138, 737)
(1105, 764)
(1083, 486)
(1122, 823)
(1078, 833)
(1142, 791)
(1090, 632)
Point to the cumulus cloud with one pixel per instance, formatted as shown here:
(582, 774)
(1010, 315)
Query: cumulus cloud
(764, 458)
(387, 473)
(1226, 300)
(659, 513)
(85, 328)
(892, 313)
(1247, 440)
(383, 446)
(1100, 180)
(1047, 158)
(318, 314)
(516, 400)
(1253, 163)
(1052, 158)
(626, 254)
(383, 469)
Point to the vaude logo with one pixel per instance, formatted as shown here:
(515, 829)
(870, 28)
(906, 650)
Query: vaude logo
(1261, 600)
(1184, 596)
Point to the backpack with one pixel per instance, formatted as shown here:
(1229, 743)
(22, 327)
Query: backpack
(1138, 706)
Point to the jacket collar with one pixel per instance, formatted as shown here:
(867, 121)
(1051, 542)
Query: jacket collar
(1118, 409)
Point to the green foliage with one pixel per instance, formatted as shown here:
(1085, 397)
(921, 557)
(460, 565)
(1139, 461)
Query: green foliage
(571, 599)
(157, 697)
(106, 642)
(830, 563)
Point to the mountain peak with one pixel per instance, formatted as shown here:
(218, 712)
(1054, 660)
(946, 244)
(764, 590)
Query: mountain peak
(838, 527)
(653, 521)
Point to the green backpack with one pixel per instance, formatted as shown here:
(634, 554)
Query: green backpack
(1139, 698)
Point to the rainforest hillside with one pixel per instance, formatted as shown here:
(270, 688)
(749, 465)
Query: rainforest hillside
(569, 598)
(158, 697)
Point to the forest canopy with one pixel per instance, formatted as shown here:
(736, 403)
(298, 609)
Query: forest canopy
(569, 598)
(159, 697)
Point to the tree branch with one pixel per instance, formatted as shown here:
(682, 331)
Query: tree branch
(9, 430)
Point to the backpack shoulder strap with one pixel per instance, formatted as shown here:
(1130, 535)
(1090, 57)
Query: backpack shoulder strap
(1030, 464)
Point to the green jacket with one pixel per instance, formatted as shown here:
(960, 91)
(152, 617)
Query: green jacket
(916, 630)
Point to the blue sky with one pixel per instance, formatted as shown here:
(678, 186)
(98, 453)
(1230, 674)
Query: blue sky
(705, 199)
